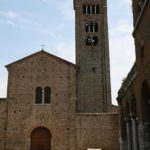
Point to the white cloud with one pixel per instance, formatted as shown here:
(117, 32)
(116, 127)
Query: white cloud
(11, 14)
(43, 0)
(46, 1)
(66, 9)
(121, 53)
(9, 22)
(15, 19)
(8, 14)
(121, 28)
(123, 3)
(66, 50)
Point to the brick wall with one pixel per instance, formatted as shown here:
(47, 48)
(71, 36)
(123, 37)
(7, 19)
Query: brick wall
(97, 131)
(3, 114)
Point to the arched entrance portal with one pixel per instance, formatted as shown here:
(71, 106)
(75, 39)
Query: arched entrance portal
(40, 139)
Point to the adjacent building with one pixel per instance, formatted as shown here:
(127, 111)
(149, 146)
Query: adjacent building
(134, 95)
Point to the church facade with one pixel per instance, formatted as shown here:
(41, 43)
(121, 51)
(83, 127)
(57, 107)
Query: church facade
(53, 104)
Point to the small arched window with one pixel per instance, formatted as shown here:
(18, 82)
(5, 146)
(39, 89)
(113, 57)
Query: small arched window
(88, 9)
(95, 40)
(84, 9)
(88, 40)
(38, 95)
(86, 27)
(96, 27)
(91, 27)
(93, 9)
(47, 95)
(97, 9)
(92, 40)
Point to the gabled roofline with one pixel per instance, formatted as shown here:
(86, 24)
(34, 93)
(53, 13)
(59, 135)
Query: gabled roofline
(41, 51)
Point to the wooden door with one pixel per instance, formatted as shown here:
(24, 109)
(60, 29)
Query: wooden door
(40, 139)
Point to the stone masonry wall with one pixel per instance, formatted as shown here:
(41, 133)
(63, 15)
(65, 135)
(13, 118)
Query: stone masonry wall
(97, 131)
(3, 114)
(93, 76)
(24, 115)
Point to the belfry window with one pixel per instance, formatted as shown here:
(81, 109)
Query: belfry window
(84, 9)
(95, 40)
(92, 40)
(93, 9)
(90, 9)
(89, 41)
(86, 27)
(91, 27)
(97, 9)
(43, 96)
(96, 27)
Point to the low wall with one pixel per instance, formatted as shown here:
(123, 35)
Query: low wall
(99, 130)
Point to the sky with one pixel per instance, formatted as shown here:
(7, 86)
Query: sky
(25, 25)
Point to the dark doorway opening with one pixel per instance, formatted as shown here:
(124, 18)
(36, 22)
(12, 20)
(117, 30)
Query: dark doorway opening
(40, 139)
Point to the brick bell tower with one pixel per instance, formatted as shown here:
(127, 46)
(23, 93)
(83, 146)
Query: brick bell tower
(92, 56)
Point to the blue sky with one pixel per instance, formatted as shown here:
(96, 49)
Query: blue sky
(26, 25)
